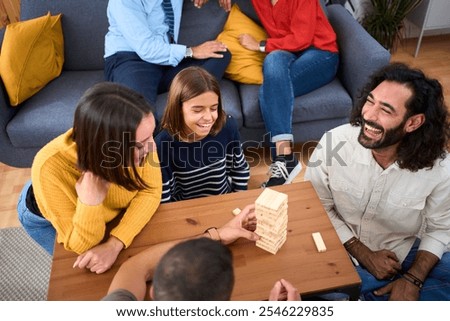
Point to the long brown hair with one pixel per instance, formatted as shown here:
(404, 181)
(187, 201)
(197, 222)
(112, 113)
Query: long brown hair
(187, 84)
(104, 130)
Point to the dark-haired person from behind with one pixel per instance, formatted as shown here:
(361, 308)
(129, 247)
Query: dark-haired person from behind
(386, 186)
(198, 268)
(104, 166)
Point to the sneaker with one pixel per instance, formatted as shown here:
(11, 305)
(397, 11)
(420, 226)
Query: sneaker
(283, 170)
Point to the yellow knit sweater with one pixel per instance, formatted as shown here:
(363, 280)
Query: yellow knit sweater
(80, 227)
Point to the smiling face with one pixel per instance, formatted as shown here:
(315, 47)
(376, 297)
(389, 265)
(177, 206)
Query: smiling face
(384, 121)
(144, 139)
(199, 114)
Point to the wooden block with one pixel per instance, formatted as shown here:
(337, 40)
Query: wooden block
(320, 245)
(236, 211)
(271, 199)
(272, 217)
(271, 246)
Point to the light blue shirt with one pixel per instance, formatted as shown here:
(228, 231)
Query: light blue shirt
(138, 26)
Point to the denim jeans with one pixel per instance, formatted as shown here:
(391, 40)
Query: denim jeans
(40, 229)
(286, 76)
(435, 288)
(148, 79)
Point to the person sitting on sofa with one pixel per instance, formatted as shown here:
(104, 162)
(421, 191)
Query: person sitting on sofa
(199, 146)
(386, 186)
(141, 49)
(104, 166)
(302, 56)
(176, 277)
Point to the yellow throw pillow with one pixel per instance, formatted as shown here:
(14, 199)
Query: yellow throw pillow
(246, 65)
(32, 55)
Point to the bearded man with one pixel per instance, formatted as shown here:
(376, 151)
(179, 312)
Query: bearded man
(384, 180)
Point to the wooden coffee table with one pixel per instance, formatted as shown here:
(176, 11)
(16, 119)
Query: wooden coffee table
(256, 270)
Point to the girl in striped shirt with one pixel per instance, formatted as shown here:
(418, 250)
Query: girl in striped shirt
(199, 147)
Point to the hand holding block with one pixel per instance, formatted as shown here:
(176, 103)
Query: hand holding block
(319, 242)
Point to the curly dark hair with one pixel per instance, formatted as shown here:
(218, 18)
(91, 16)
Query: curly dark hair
(422, 147)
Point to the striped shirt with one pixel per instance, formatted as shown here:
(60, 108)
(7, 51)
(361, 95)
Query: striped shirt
(212, 166)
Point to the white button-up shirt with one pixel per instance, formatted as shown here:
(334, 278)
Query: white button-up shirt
(384, 208)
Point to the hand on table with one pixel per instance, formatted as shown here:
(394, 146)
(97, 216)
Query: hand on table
(100, 258)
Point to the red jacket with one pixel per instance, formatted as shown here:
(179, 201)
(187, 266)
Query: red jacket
(295, 25)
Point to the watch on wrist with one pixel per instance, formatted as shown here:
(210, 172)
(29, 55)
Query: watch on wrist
(189, 53)
(262, 46)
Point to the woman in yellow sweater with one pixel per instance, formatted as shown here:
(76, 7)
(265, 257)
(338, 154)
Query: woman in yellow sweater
(104, 166)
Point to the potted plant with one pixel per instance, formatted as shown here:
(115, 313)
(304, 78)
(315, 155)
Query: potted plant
(385, 21)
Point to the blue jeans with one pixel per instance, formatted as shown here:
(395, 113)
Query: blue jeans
(286, 76)
(148, 79)
(435, 288)
(40, 229)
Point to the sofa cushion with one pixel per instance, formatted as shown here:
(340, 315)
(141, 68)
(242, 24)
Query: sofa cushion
(246, 65)
(84, 26)
(200, 25)
(47, 115)
(32, 55)
(328, 102)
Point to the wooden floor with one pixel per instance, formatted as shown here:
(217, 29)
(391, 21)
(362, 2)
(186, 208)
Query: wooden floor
(433, 58)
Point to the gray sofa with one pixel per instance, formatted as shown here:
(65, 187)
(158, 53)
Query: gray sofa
(26, 128)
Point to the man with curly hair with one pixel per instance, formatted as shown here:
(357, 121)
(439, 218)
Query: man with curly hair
(384, 180)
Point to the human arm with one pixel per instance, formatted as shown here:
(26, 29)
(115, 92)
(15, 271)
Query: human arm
(239, 172)
(249, 42)
(92, 190)
(137, 270)
(382, 264)
(139, 26)
(139, 211)
(408, 287)
(54, 173)
(284, 291)
(335, 185)
(433, 244)
(165, 148)
(319, 172)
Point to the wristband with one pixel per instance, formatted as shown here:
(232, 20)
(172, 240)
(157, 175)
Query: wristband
(350, 242)
(189, 53)
(413, 279)
(262, 46)
(213, 233)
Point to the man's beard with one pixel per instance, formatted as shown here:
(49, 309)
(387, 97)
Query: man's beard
(388, 138)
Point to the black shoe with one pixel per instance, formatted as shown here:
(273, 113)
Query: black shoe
(283, 170)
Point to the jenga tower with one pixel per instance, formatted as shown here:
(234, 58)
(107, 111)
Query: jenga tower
(271, 220)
